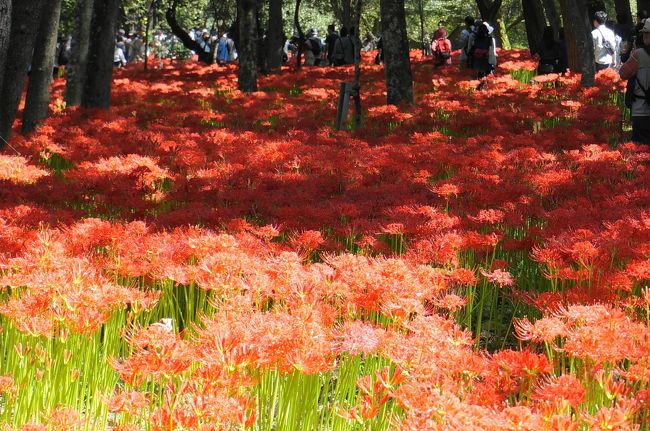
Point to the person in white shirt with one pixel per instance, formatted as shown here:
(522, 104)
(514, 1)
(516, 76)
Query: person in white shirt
(604, 41)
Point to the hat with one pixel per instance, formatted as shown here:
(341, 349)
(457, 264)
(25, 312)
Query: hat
(646, 26)
(205, 31)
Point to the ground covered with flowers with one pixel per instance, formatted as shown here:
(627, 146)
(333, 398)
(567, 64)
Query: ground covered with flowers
(201, 259)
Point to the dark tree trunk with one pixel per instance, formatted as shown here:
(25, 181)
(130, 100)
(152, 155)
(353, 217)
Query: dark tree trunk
(247, 73)
(99, 72)
(76, 69)
(422, 37)
(553, 16)
(5, 31)
(301, 35)
(185, 38)
(40, 78)
(490, 13)
(25, 17)
(397, 65)
(274, 36)
(643, 5)
(578, 39)
(624, 11)
(346, 20)
(535, 23)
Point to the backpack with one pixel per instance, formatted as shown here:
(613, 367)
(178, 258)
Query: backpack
(481, 48)
(315, 46)
(442, 50)
(630, 97)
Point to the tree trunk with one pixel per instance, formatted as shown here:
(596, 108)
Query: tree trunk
(346, 18)
(489, 10)
(5, 31)
(580, 47)
(643, 5)
(99, 72)
(501, 31)
(397, 65)
(535, 23)
(421, 16)
(40, 78)
(76, 69)
(623, 11)
(25, 17)
(301, 35)
(274, 36)
(553, 16)
(247, 73)
(184, 36)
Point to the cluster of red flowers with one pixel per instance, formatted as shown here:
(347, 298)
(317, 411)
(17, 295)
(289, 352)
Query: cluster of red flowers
(419, 239)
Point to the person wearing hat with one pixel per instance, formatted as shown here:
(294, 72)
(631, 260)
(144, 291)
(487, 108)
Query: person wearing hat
(638, 69)
(205, 43)
(441, 47)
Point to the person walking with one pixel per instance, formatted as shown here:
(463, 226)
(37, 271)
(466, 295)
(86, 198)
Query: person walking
(604, 42)
(637, 68)
(549, 53)
(465, 37)
(482, 51)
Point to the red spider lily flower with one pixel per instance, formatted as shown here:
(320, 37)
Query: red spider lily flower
(564, 389)
(499, 277)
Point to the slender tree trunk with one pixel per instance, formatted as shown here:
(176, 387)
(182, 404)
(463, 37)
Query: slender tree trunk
(301, 35)
(553, 16)
(38, 92)
(535, 23)
(397, 65)
(490, 13)
(421, 16)
(99, 72)
(76, 69)
(5, 31)
(274, 33)
(247, 73)
(580, 47)
(623, 9)
(347, 13)
(25, 17)
(357, 63)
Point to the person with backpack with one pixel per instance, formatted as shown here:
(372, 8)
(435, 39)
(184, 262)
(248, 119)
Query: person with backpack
(441, 47)
(637, 71)
(549, 53)
(482, 51)
(604, 42)
(343, 49)
(315, 45)
(330, 40)
(465, 36)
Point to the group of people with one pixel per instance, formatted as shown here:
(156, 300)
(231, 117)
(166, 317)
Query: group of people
(336, 49)
(478, 47)
(219, 41)
(130, 47)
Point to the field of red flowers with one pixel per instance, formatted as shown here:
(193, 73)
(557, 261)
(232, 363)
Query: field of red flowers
(201, 259)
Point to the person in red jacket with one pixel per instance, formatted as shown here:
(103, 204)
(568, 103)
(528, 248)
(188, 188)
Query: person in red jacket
(441, 47)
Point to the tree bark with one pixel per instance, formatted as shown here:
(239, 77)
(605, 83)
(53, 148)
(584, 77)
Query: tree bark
(185, 38)
(535, 23)
(99, 72)
(274, 36)
(25, 17)
(5, 31)
(76, 69)
(397, 65)
(490, 13)
(501, 31)
(247, 73)
(623, 10)
(40, 78)
(553, 16)
(580, 47)
(301, 35)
